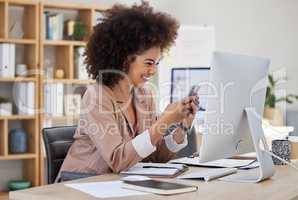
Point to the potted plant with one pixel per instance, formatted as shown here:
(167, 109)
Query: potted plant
(5, 107)
(79, 30)
(272, 112)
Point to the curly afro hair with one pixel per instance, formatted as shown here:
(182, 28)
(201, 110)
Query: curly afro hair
(121, 34)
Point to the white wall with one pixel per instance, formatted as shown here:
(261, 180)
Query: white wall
(265, 28)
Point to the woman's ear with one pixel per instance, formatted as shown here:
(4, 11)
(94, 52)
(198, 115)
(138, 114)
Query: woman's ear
(128, 61)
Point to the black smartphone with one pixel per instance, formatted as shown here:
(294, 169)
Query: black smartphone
(194, 91)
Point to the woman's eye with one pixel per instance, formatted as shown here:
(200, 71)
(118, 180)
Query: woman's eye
(148, 64)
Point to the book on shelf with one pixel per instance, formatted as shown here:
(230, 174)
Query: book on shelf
(7, 60)
(60, 92)
(54, 99)
(54, 25)
(80, 66)
(24, 97)
(97, 18)
(30, 98)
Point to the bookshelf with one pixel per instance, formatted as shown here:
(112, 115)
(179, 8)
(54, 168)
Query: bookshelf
(60, 54)
(27, 44)
(32, 49)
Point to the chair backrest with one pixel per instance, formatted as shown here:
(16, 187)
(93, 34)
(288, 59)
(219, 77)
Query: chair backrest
(57, 141)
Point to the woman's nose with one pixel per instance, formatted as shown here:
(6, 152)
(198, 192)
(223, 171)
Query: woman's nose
(152, 70)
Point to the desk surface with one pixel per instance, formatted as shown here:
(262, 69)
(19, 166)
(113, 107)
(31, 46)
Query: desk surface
(283, 185)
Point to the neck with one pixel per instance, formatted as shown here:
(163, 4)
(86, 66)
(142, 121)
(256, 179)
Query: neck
(123, 88)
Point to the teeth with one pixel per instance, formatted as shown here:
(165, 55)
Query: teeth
(146, 78)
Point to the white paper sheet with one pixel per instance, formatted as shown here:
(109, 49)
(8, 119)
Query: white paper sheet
(106, 189)
(230, 163)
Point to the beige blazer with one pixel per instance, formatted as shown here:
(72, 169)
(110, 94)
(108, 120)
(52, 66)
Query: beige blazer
(103, 139)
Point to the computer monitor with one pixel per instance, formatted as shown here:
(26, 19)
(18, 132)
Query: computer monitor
(237, 82)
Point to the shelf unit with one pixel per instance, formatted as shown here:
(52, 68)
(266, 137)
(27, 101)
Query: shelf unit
(3, 195)
(63, 54)
(29, 45)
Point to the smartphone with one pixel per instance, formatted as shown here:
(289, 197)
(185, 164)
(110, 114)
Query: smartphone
(194, 91)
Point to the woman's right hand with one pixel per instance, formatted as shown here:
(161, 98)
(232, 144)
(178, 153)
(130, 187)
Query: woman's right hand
(176, 112)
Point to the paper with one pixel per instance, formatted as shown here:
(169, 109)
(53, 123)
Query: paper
(209, 174)
(151, 171)
(229, 163)
(108, 189)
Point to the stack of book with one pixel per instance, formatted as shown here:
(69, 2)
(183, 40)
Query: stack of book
(7, 60)
(53, 100)
(54, 23)
(24, 98)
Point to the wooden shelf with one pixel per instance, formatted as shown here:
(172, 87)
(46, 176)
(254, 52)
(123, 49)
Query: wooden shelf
(22, 2)
(67, 6)
(17, 79)
(62, 54)
(74, 6)
(4, 195)
(18, 117)
(64, 43)
(100, 8)
(18, 156)
(18, 41)
(65, 117)
(70, 81)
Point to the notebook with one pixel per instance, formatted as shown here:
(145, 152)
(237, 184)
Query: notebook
(158, 187)
(209, 174)
(156, 170)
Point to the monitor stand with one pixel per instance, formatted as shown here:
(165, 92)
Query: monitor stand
(266, 167)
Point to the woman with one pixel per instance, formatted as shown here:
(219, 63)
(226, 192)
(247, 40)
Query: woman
(118, 126)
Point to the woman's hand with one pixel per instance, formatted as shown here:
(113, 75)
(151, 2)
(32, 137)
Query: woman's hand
(176, 112)
(187, 121)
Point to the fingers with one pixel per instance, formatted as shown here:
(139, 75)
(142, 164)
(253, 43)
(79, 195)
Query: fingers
(190, 99)
(191, 106)
(187, 100)
(194, 107)
(197, 100)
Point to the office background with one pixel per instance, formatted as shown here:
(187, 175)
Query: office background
(265, 28)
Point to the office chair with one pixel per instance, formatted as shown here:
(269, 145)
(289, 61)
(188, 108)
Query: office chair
(57, 141)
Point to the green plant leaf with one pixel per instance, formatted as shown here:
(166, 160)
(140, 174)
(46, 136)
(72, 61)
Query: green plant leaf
(271, 81)
(3, 100)
(80, 30)
(289, 101)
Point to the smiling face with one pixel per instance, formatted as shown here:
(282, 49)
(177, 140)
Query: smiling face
(144, 66)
